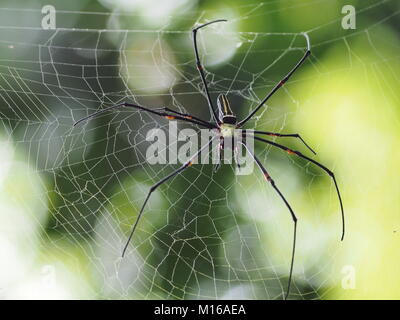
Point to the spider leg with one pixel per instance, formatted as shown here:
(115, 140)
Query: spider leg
(329, 172)
(185, 115)
(294, 135)
(280, 83)
(159, 183)
(155, 111)
(294, 218)
(201, 69)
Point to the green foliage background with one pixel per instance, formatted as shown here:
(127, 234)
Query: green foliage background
(69, 196)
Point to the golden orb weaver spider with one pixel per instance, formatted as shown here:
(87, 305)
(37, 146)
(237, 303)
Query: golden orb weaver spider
(226, 123)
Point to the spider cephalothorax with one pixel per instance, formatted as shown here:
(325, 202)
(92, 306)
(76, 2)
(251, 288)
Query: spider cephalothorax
(226, 123)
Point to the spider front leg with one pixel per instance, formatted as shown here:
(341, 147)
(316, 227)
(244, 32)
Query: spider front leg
(280, 83)
(294, 135)
(159, 183)
(294, 218)
(201, 69)
(185, 115)
(156, 111)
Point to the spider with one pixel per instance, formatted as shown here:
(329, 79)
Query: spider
(226, 123)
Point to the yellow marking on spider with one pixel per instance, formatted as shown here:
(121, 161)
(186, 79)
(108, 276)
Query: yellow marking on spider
(290, 151)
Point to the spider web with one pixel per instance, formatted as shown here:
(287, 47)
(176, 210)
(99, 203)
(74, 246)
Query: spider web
(204, 234)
